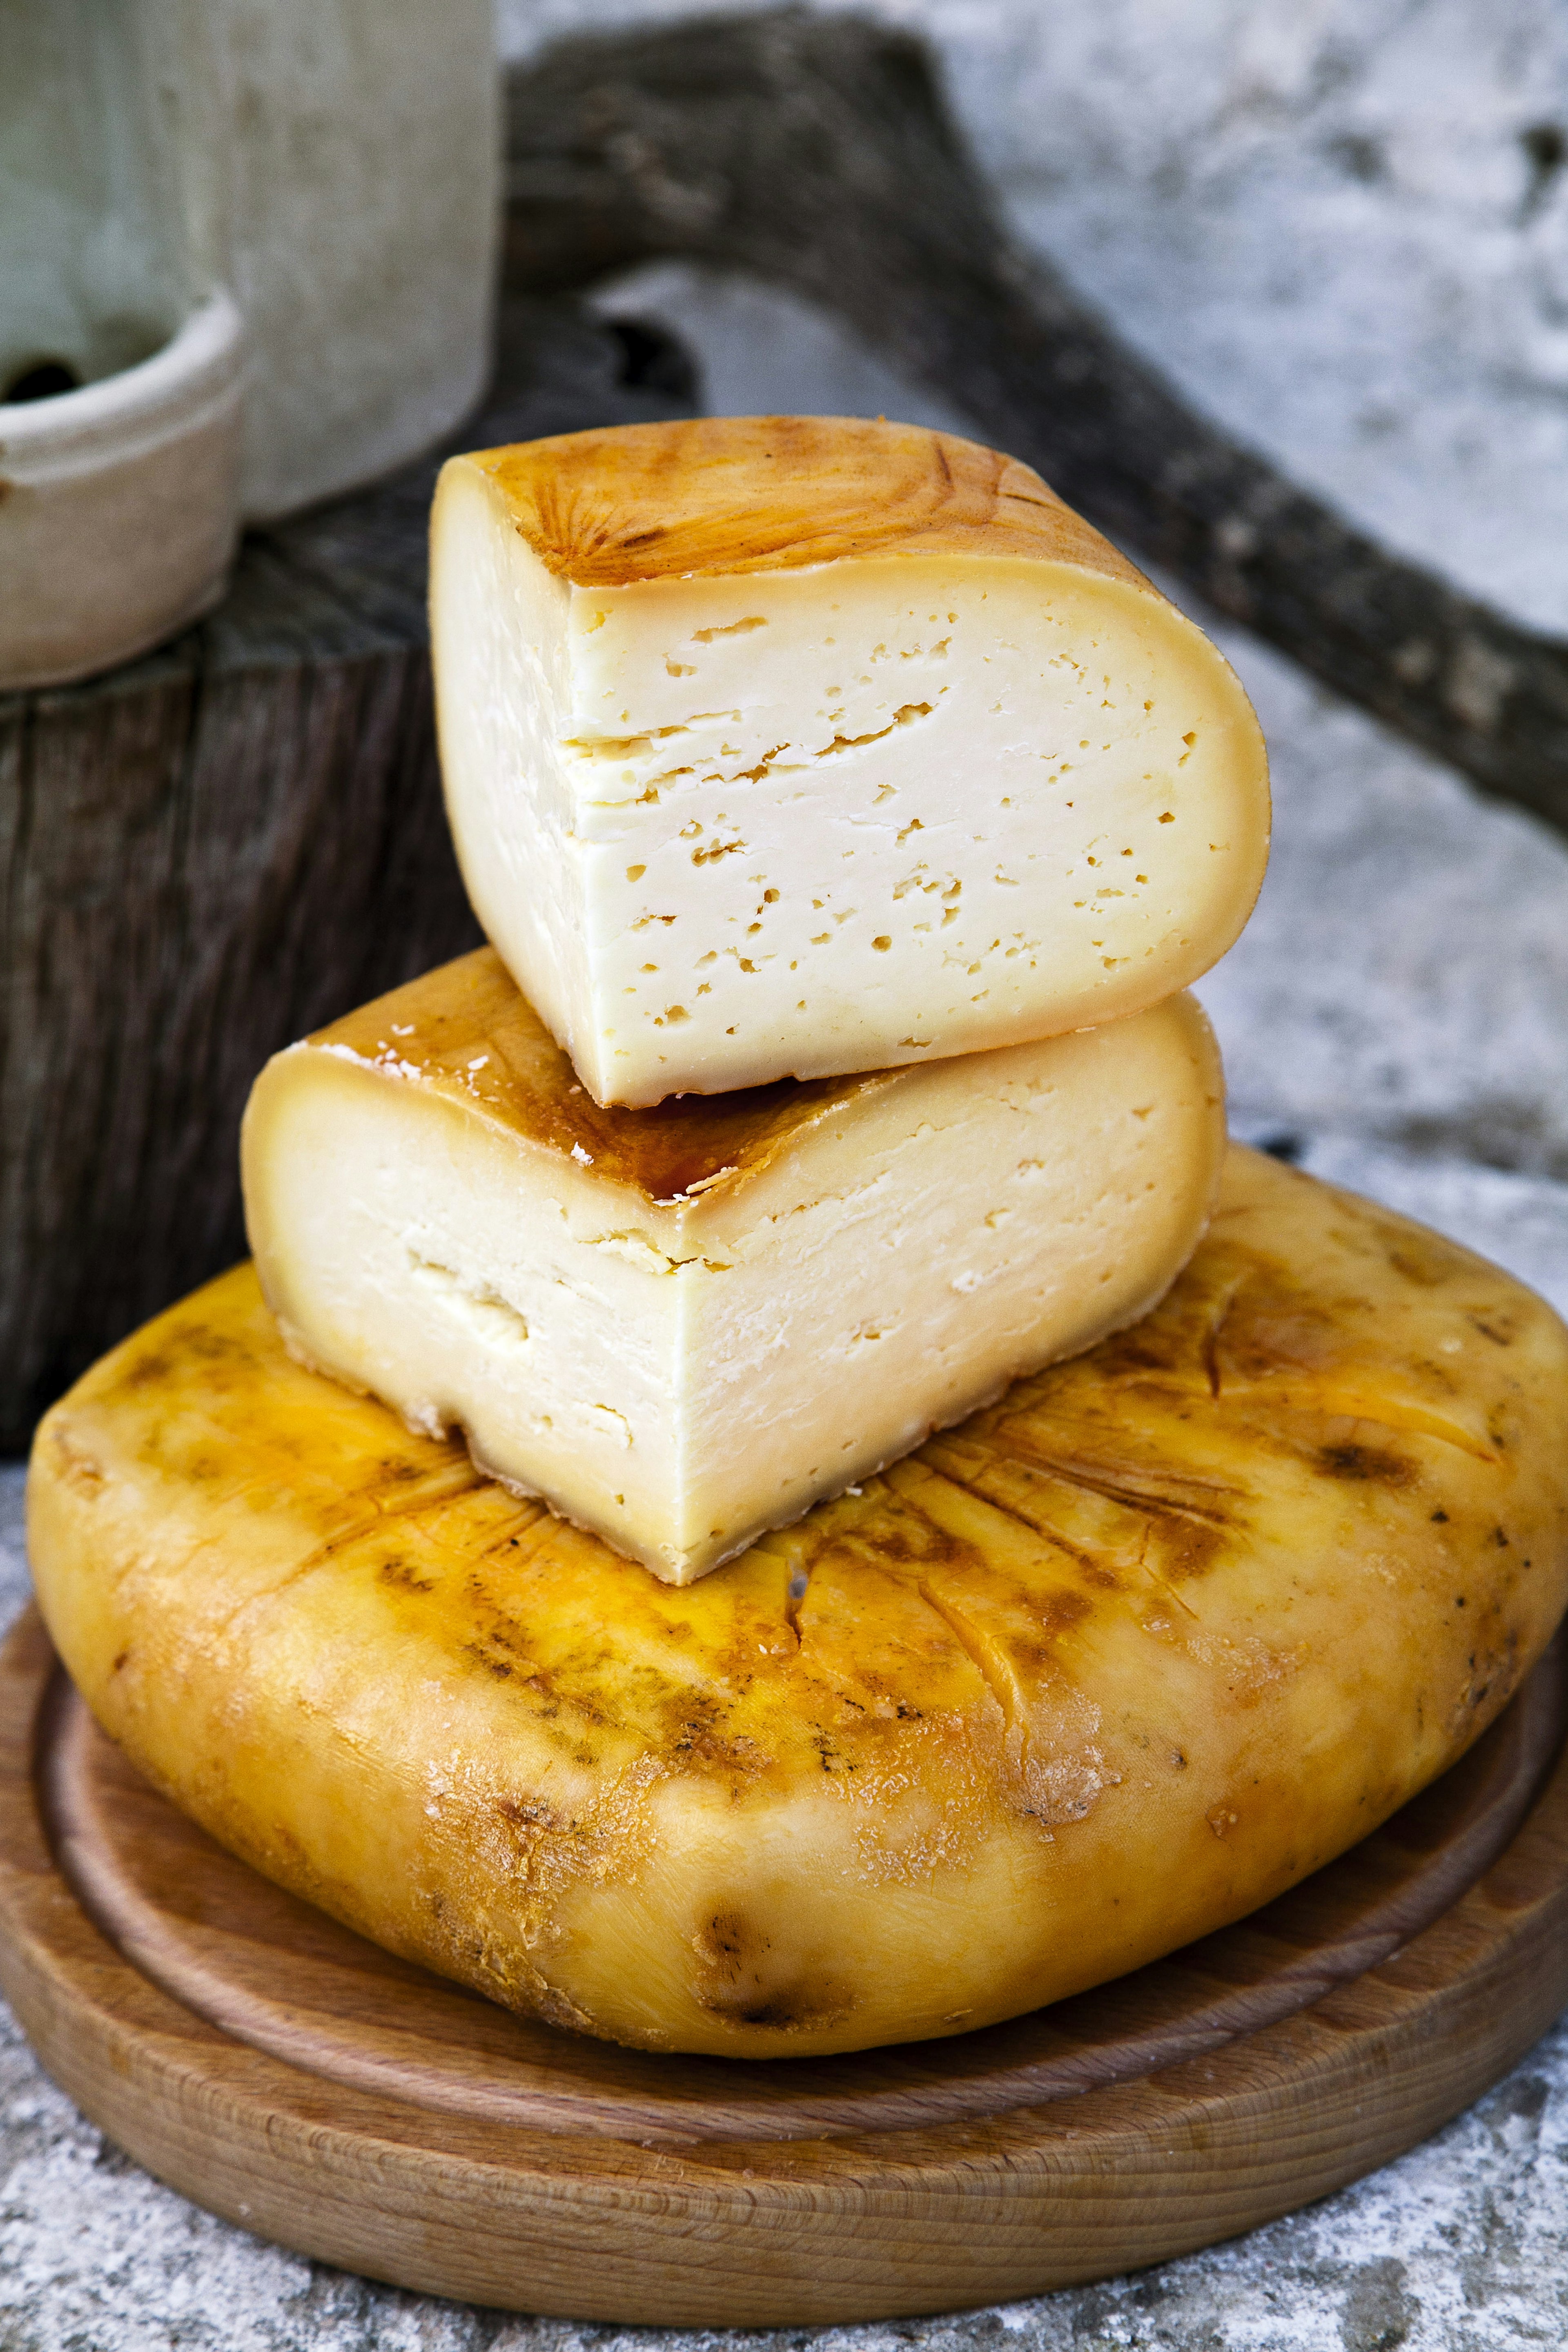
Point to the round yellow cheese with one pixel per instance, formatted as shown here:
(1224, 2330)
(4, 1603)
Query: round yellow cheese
(1112, 1664)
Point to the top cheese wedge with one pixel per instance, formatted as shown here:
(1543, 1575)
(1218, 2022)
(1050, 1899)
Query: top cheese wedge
(800, 746)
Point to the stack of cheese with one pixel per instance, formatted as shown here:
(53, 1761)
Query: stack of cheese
(848, 820)
(847, 817)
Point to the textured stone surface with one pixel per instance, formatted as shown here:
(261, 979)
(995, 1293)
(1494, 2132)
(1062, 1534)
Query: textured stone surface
(1406, 974)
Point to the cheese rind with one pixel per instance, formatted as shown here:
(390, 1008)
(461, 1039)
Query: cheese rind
(684, 1327)
(1124, 1658)
(793, 747)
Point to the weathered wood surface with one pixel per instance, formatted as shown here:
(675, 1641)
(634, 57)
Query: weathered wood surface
(211, 850)
(817, 152)
(288, 2075)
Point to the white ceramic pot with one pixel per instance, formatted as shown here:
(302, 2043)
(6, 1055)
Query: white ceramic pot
(120, 510)
(365, 218)
(337, 163)
(120, 363)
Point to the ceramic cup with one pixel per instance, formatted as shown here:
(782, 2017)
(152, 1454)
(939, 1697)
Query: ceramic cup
(119, 505)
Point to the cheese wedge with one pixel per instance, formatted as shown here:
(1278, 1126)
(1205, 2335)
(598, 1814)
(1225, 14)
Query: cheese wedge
(1128, 1654)
(791, 746)
(684, 1325)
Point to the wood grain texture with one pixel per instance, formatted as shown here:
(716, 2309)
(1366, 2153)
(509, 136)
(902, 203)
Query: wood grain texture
(363, 2113)
(210, 851)
(819, 152)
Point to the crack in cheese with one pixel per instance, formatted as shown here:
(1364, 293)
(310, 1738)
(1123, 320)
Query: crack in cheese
(685, 1326)
(795, 746)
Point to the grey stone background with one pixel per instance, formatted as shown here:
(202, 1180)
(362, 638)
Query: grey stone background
(1339, 225)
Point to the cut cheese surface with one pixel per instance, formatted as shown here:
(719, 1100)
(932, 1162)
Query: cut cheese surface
(1133, 1650)
(795, 746)
(684, 1326)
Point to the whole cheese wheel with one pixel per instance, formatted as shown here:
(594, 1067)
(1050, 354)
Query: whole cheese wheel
(1111, 1664)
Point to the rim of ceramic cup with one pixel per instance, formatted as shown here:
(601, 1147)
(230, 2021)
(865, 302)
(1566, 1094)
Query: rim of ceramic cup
(189, 381)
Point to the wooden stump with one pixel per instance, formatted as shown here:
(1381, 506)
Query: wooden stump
(214, 849)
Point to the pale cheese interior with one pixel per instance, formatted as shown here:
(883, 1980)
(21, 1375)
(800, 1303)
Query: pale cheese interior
(802, 822)
(680, 1376)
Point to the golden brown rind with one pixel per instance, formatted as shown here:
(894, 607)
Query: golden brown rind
(468, 1031)
(1117, 1661)
(722, 494)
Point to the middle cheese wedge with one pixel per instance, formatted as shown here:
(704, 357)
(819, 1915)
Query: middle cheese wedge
(684, 1325)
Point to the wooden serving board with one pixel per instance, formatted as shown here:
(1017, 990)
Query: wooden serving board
(289, 2075)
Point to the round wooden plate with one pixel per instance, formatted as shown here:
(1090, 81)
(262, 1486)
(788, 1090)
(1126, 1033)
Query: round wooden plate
(287, 2075)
